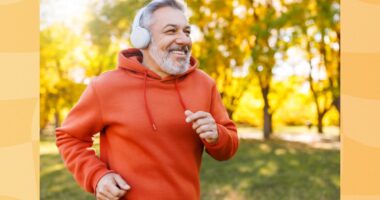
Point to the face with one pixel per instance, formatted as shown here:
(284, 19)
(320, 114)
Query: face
(170, 47)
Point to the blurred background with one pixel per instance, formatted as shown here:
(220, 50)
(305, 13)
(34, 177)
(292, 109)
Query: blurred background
(276, 64)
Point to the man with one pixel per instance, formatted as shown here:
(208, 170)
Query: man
(155, 114)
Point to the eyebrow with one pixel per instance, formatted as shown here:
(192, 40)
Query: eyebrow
(175, 26)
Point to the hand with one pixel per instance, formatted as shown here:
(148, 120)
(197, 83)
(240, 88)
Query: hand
(111, 187)
(204, 124)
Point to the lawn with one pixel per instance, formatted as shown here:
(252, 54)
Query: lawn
(261, 170)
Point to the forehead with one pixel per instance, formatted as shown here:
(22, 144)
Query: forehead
(167, 15)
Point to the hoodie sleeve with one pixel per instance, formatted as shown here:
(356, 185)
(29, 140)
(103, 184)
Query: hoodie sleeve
(227, 143)
(74, 140)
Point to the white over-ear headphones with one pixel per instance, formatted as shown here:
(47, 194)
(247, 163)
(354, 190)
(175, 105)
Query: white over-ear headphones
(140, 37)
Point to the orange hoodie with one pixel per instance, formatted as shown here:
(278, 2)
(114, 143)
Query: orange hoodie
(143, 133)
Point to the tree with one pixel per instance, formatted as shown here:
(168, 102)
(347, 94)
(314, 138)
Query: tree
(321, 35)
(58, 91)
(267, 39)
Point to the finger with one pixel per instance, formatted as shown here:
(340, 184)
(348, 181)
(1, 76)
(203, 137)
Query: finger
(202, 121)
(115, 191)
(105, 194)
(197, 115)
(101, 197)
(207, 135)
(205, 128)
(188, 112)
(123, 192)
(121, 183)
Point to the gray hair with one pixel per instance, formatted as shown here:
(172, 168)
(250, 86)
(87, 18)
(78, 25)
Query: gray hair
(146, 17)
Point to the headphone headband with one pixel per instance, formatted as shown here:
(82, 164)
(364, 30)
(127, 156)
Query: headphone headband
(136, 21)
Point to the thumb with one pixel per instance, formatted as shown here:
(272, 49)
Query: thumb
(188, 112)
(121, 183)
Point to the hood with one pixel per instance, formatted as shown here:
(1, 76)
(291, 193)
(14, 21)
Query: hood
(131, 60)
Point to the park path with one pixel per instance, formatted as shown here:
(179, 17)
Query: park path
(312, 139)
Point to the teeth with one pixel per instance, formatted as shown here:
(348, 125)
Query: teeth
(179, 52)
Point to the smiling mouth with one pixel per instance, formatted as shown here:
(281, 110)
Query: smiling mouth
(179, 51)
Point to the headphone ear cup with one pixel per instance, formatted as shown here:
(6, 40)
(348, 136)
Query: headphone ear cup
(140, 37)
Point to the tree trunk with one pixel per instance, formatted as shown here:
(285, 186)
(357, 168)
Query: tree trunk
(267, 123)
(267, 115)
(336, 103)
(230, 112)
(320, 124)
(57, 119)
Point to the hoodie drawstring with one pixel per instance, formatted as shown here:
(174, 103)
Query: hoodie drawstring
(179, 95)
(146, 104)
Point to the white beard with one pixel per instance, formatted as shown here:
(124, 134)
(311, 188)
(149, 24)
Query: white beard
(166, 64)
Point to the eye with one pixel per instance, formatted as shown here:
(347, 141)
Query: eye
(170, 31)
(188, 32)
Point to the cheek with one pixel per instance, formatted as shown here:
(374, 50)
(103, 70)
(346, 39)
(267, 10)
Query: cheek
(162, 47)
(164, 43)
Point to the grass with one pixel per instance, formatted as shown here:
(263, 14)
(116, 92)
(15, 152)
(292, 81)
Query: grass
(55, 180)
(273, 170)
(261, 170)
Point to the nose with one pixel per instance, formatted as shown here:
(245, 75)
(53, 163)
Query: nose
(183, 39)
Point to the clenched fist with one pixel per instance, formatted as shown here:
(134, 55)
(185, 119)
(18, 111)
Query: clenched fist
(111, 187)
(204, 124)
